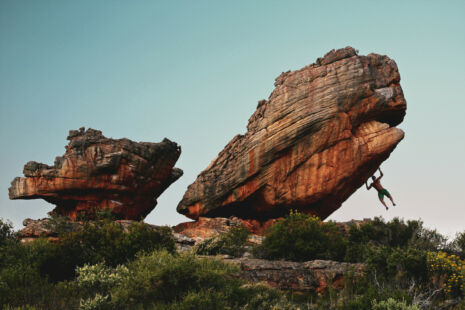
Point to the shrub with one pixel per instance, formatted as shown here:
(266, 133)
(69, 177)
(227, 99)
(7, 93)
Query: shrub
(163, 277)
(21, 282)
(393, 234)
(98, 302)
(58, 224)
(231, 243)
(6, 232)
(392, 304)
(104, 241)
(449, 271)
(459, 244)
(401, 265)
(100, 277)
(303, 237)
(165, 281)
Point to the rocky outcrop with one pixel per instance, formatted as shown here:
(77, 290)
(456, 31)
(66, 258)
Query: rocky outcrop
(98, 173)
(321, 134)
(316, 275)
(206, 227)
(52, 228)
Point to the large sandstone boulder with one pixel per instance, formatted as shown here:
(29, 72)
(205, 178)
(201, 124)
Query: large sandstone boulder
(98, 173)
(321, 134)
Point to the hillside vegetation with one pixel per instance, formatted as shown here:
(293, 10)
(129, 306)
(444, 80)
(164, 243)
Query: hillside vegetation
(104, 267)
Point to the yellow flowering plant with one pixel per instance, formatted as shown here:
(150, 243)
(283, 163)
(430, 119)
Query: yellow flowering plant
(450, 269)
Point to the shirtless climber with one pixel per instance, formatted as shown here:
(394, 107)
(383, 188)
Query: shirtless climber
(381, 190)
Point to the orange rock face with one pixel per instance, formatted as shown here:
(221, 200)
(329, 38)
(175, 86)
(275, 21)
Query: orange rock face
(99, 173)
(321, 134)
(205, 227)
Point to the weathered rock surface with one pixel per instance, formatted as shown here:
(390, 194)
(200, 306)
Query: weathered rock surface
(316, 275)
(98, 173)
(321, 134)
(206, 227)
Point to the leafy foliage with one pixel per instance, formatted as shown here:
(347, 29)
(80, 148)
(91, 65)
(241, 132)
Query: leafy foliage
(6, 232)
(103, 241)
(28, 272)
(107, 265)
(161, 280)
(303, 237)
(392, 304)
(459, 244)
(230, 243)
(449, 271)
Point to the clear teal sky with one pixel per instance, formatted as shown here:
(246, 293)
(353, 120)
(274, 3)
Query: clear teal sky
(193, 71)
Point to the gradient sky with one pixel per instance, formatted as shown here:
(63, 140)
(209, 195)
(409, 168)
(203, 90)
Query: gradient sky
(193, 71)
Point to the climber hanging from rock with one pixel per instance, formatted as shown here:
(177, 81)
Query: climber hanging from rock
(381, 190)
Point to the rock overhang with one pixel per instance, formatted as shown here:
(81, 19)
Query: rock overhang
(344, 107)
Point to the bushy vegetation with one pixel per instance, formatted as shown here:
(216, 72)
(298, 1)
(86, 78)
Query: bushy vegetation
(105, 265)
(449, 271)
(459, 244)
(231, 243)
(404, 262)
(40, 272)
(302, 237)
(161, 280)
(392, 304)
(103, 241)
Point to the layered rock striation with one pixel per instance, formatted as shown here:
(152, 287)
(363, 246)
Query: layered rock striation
(310, 276)
(98, 173)
(321, 134)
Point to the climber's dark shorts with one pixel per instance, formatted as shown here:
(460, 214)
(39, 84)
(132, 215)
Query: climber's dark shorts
(382, 193)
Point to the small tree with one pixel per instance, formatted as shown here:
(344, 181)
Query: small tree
(303, 237)
(459, 244)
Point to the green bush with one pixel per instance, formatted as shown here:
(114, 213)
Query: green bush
(103, 241)
(459, 244)
(231, 243)
(401, 265)
(393, 234)
(59, 224)
(303, 237)
(448, 273)
(161, 280)
(22, 283)
(392, 304)
(6, 232)
(29, 272)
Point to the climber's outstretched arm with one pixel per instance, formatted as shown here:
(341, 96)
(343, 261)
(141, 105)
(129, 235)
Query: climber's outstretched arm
(368, 187)
(381, 173)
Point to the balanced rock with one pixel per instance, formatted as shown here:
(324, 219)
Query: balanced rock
(321, 134)
(98, 173)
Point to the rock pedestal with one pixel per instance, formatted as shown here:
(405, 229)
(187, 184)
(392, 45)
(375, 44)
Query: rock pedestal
(97, 173)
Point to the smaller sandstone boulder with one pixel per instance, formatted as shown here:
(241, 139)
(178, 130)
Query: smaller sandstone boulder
(98, 173)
